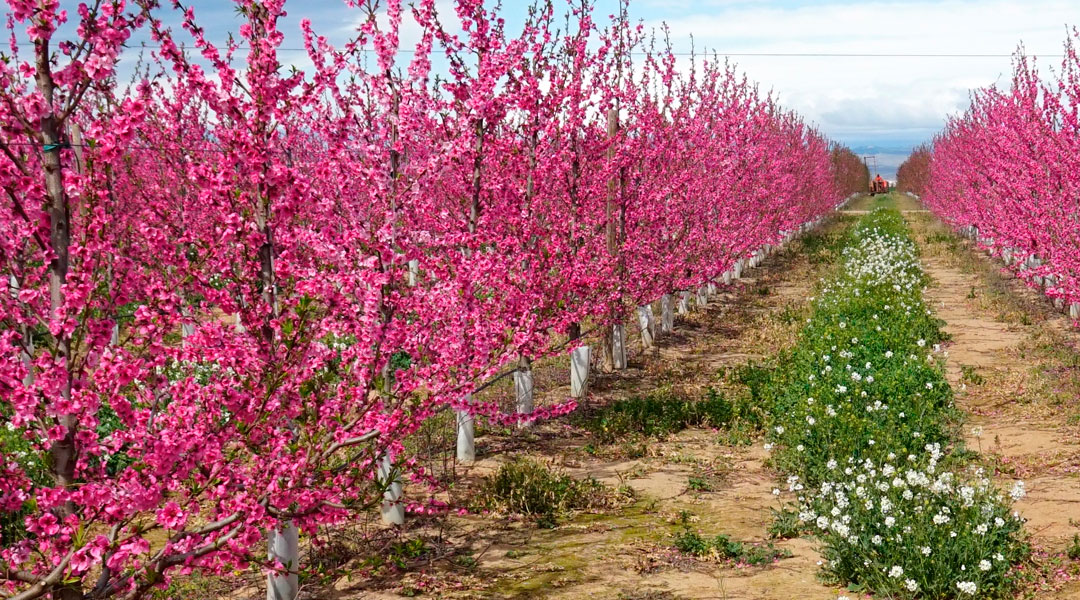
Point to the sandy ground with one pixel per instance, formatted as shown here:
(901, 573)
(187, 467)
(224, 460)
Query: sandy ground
(1015, 367)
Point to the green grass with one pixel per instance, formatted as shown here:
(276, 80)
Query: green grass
(658, 414)
(891, 201)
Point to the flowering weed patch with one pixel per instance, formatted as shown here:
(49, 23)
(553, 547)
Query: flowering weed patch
(862, 420)
(861, 382)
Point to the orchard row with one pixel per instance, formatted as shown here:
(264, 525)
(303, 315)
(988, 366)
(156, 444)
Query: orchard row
(233, 288)
(1005, 174)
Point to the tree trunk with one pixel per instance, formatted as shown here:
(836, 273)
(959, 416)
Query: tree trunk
(284, 547)
(667, 315)
(645, 319)
(611, 355)
(466, 436)
(618, 347)
(63, 453)
(393, 511)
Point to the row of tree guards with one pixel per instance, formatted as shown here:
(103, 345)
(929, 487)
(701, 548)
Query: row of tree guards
(1023, 262)
(581, 356)
(283, 544)
(581, 360)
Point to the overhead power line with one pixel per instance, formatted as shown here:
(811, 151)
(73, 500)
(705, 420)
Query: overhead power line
(716, 53)
(866, 55)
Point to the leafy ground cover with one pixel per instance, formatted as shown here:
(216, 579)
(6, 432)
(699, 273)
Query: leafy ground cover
(721, 547)
(864, 424)
(657, 414)
(527, 487)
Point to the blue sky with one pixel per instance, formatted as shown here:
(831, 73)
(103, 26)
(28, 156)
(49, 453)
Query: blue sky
(876, 105)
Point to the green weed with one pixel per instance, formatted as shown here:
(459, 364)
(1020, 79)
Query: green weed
(785, 524)
(1073, 551)
(724, 548)
(699, 484)
(659, 414)
(529, 488)
(969, 374)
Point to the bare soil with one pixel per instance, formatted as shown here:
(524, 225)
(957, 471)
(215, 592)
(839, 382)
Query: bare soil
(1015, 366)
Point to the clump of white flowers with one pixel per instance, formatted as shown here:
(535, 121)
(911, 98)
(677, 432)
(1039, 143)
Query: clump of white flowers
(910, 527)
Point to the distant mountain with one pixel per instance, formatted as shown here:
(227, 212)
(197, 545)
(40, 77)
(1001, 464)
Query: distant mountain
(890, 151)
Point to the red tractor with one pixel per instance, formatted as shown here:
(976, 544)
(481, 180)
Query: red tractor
(878, 186)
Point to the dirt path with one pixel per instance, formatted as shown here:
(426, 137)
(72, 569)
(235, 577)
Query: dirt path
(1015, 366)
(629, 555)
